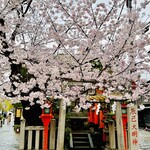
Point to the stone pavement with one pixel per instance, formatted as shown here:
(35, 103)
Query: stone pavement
(144, 138)
(9, 139)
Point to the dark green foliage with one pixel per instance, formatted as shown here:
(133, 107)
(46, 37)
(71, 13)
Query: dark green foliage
(17, 105)
(24, 72)
(96, 64)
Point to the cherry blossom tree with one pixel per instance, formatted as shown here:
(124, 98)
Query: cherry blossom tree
(64, 48)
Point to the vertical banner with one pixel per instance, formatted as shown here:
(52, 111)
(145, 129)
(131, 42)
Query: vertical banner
(18, 113)
(133, 138)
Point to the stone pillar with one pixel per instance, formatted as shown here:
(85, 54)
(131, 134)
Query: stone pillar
(119, 124)
(22, 135)
(52, 134)
(112, 135)
(61, 126)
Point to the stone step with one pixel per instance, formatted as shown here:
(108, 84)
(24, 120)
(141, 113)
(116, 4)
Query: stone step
(81, 140)
(76, 138)
(81, 143)
(83, 148)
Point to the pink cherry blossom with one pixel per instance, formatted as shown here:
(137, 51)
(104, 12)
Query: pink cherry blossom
(66, 48)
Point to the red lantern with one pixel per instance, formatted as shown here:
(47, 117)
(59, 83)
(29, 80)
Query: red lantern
(46, 118)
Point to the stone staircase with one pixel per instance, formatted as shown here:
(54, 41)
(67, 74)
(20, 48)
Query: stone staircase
(81, 141)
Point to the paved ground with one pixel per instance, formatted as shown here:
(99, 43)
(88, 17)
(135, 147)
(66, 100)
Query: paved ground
(9, 140)
(144, 138)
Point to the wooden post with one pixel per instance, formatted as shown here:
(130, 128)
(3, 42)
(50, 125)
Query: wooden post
(22, 135)
(119, 124)
(133, 139)
(61, 126)
(30, 132)
(37, 138)
(52, 134)
(112, 137)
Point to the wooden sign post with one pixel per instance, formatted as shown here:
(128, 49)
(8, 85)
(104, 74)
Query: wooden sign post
(133, 139)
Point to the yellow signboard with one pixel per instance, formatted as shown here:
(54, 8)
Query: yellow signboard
(18, 113)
